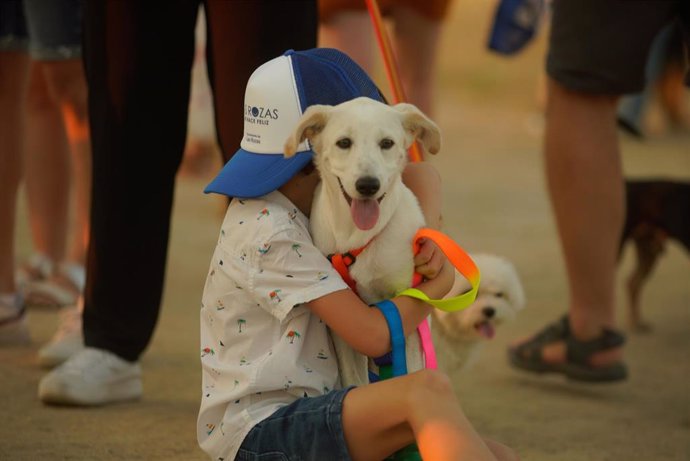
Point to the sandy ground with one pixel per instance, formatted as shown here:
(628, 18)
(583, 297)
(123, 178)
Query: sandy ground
(495, 201)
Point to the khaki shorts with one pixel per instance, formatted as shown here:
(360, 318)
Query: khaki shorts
(601, 46)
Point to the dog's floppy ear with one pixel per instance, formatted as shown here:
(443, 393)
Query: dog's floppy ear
(310, 124)
(420, 126)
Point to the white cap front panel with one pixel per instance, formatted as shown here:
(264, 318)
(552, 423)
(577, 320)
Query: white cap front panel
(271, 108)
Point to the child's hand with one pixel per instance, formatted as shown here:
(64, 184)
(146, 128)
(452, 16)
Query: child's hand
(438, 273)
(429, 260)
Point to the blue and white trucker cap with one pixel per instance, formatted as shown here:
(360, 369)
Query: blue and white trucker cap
(277, 94)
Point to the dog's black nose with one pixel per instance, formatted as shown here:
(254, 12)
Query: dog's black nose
(488, 312)
(368, 185)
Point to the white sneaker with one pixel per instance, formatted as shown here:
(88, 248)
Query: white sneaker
(14, 329)
(92, 377)
(66, 341)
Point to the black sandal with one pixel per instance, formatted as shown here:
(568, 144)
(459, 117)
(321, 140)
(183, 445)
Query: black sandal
(527, 356)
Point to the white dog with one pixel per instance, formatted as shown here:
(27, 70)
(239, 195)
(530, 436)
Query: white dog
(459, 336)
(360, 149)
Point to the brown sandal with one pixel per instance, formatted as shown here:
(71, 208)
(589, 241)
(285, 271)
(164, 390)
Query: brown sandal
(528, 355)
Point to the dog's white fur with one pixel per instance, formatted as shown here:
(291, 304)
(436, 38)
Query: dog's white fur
(459, 336)
(386, 265)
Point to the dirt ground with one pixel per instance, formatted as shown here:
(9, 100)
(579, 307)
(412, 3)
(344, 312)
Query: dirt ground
(494, 201)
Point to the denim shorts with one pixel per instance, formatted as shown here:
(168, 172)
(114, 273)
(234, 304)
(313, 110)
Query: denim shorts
(50, 30)
(308, 429)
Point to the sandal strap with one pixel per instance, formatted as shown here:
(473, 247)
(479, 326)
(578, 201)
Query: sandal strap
(556, 331)
(580, 351)
(577, 351)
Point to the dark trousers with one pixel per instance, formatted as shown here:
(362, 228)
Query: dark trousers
(138, 57)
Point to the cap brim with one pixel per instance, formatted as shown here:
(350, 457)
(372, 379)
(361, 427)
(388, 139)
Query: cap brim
(249, 175)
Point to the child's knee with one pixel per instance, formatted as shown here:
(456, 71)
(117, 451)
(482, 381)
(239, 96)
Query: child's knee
(431, 384)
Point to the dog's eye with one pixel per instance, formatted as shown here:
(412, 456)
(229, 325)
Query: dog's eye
(344, 143)
(499, 294)
(386, 143)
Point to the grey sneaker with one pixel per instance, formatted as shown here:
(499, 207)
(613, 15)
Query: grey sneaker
(92, 377)
(13, 326)
(67, 341)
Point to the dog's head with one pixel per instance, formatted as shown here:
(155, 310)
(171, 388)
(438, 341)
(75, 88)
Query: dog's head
(360, 146)
(499, 299)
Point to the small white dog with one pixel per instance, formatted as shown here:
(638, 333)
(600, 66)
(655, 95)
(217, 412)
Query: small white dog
(459, 336)
(361, 203)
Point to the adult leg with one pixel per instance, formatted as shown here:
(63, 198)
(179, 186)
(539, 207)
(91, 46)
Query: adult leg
(283, 25)
(138, 57)
(584, 175)
(64, 88)
(14, 68)
(351, 32)
(416, 40)
(65, 81)
(47, 176)
(13, 78)
(585, 182)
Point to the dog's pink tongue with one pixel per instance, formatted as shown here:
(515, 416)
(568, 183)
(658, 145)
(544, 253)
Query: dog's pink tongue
(486, 329)
(365, 213)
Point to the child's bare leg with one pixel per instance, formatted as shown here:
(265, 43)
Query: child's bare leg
(500, 451)
(381, 418)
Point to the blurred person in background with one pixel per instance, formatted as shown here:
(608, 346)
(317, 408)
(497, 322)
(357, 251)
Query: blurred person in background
(138, 57)
(597, 52)
(417, 27)
(45, 131)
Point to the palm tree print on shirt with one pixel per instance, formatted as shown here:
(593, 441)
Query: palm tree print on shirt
(240, 324)
(207, 351)
(263, 213)
(295, 248)
(275, 295)
(292, 334)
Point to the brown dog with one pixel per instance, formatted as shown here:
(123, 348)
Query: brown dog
(657, 210)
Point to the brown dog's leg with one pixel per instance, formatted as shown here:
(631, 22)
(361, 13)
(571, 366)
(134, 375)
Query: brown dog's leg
(649, 244)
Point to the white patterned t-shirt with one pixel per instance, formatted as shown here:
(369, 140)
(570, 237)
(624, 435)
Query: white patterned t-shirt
(261, 348)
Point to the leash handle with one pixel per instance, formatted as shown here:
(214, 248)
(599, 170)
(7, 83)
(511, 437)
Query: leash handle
(392, 316)
(390, 66)
(427, 344)
(462, 263)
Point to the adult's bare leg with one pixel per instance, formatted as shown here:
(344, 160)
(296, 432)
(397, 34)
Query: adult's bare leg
(585, 182)
(65, 81)
(47, 169)
(14, 68)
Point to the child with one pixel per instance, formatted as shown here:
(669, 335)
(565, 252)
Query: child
(270, 381)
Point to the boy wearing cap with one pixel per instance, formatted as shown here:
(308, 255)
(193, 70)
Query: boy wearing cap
(270, 379)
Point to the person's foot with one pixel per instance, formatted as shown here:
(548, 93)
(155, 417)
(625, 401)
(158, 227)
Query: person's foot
(556, 349)
(13, 326)
(92, 377)
(62, 288)
(67, 341)
(37, 267)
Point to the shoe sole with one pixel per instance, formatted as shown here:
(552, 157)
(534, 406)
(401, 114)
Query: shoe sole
(614, 373)
(129, 390)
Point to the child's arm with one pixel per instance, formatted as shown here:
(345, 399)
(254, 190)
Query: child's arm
(365, 328)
